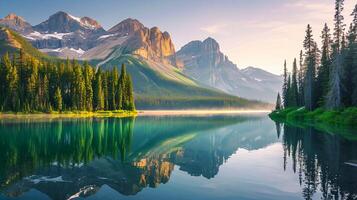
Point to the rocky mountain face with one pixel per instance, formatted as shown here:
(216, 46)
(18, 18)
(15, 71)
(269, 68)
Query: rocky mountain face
(132, 37)
(61, 35)
(205, 63)
(64, 35)
(16, 23)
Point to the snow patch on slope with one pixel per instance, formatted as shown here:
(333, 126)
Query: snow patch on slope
(37, 179)
(45, 36)
(106, 36)
(75, 18)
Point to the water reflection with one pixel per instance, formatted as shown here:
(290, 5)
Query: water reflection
(321, 161)
(71, 158)
(77, 158)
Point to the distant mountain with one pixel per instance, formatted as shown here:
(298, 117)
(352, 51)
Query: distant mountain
(205, 63)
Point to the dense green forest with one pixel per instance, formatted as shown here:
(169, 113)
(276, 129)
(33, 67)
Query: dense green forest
(29, 84)
(327, 76)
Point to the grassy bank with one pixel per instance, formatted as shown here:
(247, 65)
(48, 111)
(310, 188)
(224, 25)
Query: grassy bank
(345, 117)
(68, 114)
(342, 122)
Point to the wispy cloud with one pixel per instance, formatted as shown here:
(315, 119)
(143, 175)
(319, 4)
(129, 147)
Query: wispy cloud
(214, 29)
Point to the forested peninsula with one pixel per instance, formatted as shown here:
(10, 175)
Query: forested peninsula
(324, 88)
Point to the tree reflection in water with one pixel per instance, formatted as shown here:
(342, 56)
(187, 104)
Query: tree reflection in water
(320, 160)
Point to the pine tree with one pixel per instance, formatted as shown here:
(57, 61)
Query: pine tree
(285, 86)
(98, 97)
(278, 105)
(45, 98)
(4, 73)
(130, 94)
(348, 69)
(123, 84)
(323, 74)
(289, 93)
(334, 97)
(88, 76)
(31, 87)
(310, 53)
(105, 89)
(354, 70)
(58, 100)
(301, 80)
(112, 86)
(12, 79)
(78, 88)
(339, 26)
(119, 95)
(294, 86)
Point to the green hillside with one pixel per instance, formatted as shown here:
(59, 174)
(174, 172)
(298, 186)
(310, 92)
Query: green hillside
(11, 42)
(156, 90)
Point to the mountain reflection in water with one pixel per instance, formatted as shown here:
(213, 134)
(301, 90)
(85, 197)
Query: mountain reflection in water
(79, 158)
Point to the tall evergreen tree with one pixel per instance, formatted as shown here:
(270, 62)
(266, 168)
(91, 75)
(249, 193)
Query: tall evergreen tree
(98, 97)
(301, 83)
(4, 73)
(58, 100)
(112, 86)
(278, 105)
(130, 94)
(88, 76)
(105, 76)
(123, 84)
(12, 79)
(339, 26)
(289, 93)
(323, 74)
(310, 53)
(285, 86)
(294, 86)
(348, 68)
(354, 70)
(334, 97)
(31, 86)
(78, 88)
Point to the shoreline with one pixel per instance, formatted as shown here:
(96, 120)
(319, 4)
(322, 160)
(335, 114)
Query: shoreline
(121, 114)
(198, 112)
(69, 114)
(346, 117)
(341, 122)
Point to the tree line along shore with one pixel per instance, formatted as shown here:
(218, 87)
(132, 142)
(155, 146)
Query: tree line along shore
(31, 85)
(324, 88)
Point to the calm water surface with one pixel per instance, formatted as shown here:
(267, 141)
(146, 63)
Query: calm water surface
(173, 157)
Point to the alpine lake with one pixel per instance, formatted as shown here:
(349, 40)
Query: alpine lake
(200, 157)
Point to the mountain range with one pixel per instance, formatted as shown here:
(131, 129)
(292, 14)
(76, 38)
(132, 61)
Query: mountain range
(198, 69)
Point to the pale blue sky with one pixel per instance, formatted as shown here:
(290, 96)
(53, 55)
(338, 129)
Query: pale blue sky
(259, 33)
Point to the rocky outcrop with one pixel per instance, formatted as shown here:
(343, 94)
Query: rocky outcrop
(151, 44)
(126, 27)
(132, 37)
(62, 22)
(16, 23)
(204, 62)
